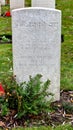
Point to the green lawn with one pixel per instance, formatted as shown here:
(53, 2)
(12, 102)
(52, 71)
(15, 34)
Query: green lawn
(66, 6)
(5, 22)
(5, 61)
(63, 127)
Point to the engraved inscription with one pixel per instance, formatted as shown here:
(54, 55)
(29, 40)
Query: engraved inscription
(34, 61)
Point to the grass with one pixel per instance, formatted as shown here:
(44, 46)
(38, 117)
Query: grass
(5, 60)
(27, 3)
(5, 25)
(66, 53)
(5, 22)
(67, 47)
(62, 127)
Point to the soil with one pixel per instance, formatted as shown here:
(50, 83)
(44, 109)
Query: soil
(62, 113)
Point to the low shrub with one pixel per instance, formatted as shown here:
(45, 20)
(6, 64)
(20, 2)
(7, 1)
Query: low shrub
(26, 98)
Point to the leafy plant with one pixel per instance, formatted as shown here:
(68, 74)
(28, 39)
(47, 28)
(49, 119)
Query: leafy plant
(27, 98)
(3, 106)
(68, 107)
(4, 39)
(4, 109)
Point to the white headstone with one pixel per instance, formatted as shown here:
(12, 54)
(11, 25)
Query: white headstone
(15, 4)
(2, 2)
(43, 3)
(36, 45)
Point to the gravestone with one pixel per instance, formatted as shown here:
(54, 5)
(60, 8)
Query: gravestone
(15, 4)
(2, 2)
(36, 44)
(43, 3)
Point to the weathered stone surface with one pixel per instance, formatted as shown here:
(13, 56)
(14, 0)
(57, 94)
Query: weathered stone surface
(2, 2)
(15, 4)
(43, 3)
(37, 45)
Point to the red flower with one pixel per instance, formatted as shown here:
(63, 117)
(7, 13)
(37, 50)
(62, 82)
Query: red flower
(2, 92)
(8, 14)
